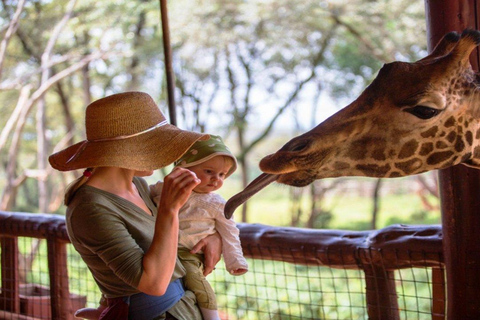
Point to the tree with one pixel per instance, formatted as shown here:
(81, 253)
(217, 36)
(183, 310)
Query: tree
(263, 56)
(242, 67)
(43, 57)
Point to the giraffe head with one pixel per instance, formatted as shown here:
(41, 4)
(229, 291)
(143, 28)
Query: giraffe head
(414, 117)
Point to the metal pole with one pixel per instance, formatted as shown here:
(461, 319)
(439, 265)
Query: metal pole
(167, 49)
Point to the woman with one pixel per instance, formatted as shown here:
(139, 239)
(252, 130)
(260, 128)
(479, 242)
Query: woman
(128, 243)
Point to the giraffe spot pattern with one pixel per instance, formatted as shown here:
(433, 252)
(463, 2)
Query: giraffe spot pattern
(459, 130)
(426, 148)
(459, 144)
(466, 157)
(430, 133)
(450, 122)
(379, 154)
(476, 152)
(451, 136)
(340, 165)
(410, 166)
(367, 169)
(469, 137)
(438, 157)
(395, 174)
(358, 150)
(408, 149)
(441, 145)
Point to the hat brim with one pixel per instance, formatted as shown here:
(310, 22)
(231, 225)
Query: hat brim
(149, 151)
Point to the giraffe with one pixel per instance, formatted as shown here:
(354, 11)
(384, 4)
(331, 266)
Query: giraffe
(413, 117)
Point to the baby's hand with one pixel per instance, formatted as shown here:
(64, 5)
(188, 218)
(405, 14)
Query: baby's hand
(239, 272)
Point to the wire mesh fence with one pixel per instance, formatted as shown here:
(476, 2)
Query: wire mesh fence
(288, 279)
(279, 290)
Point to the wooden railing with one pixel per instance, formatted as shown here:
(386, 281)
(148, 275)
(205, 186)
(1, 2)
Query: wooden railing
(378, 253)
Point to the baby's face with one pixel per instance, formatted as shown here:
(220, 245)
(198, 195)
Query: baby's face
(212, 173)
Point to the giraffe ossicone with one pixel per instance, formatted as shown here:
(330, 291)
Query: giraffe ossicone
(414, 117)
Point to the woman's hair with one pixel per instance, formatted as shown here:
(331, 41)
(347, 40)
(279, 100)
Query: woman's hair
(76, 184)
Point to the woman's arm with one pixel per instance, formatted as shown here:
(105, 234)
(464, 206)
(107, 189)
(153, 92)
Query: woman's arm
(159, 261)
(212, 249)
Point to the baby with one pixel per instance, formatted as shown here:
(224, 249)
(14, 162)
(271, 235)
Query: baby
(202, 215)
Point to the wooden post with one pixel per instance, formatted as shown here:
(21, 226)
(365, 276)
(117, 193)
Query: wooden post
(382, 300)
(438, 294)
(61, 305)
(9, 297)
(167, 49)
(381, 294)
(459, 185)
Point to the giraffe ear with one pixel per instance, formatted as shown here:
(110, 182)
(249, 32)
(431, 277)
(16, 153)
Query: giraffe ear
(469, 40)
(444, 46)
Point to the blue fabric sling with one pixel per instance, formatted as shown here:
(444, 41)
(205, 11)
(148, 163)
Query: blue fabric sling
(147, 307)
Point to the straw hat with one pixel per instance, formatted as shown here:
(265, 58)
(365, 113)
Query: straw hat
(126, 130)
(204, 150)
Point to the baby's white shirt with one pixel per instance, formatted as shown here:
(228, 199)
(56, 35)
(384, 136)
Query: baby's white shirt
(201, 216)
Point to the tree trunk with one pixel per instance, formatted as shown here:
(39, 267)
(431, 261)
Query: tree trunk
(375, 201)
(244, 166)
(296, 206)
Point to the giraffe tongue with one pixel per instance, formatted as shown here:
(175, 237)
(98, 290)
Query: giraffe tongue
(256, 185)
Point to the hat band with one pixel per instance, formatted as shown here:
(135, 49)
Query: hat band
(85, 142)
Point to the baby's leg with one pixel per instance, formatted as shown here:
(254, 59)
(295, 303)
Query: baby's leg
(196, 282)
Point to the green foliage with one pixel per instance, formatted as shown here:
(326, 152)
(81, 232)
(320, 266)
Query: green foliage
(239, 65)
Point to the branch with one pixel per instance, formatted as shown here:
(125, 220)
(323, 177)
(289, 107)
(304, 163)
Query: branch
(66, 72)
(56, 32)
(315, 62)
(24, 93)
(25, 104)
(366, 43)
(20, 82)
(12, 28)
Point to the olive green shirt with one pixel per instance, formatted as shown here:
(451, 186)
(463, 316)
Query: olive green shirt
(112, 235)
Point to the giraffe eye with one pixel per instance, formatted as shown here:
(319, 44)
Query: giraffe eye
(423, 112)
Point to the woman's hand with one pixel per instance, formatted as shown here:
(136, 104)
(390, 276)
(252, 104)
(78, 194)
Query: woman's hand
(212, 249)
(177, 187)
